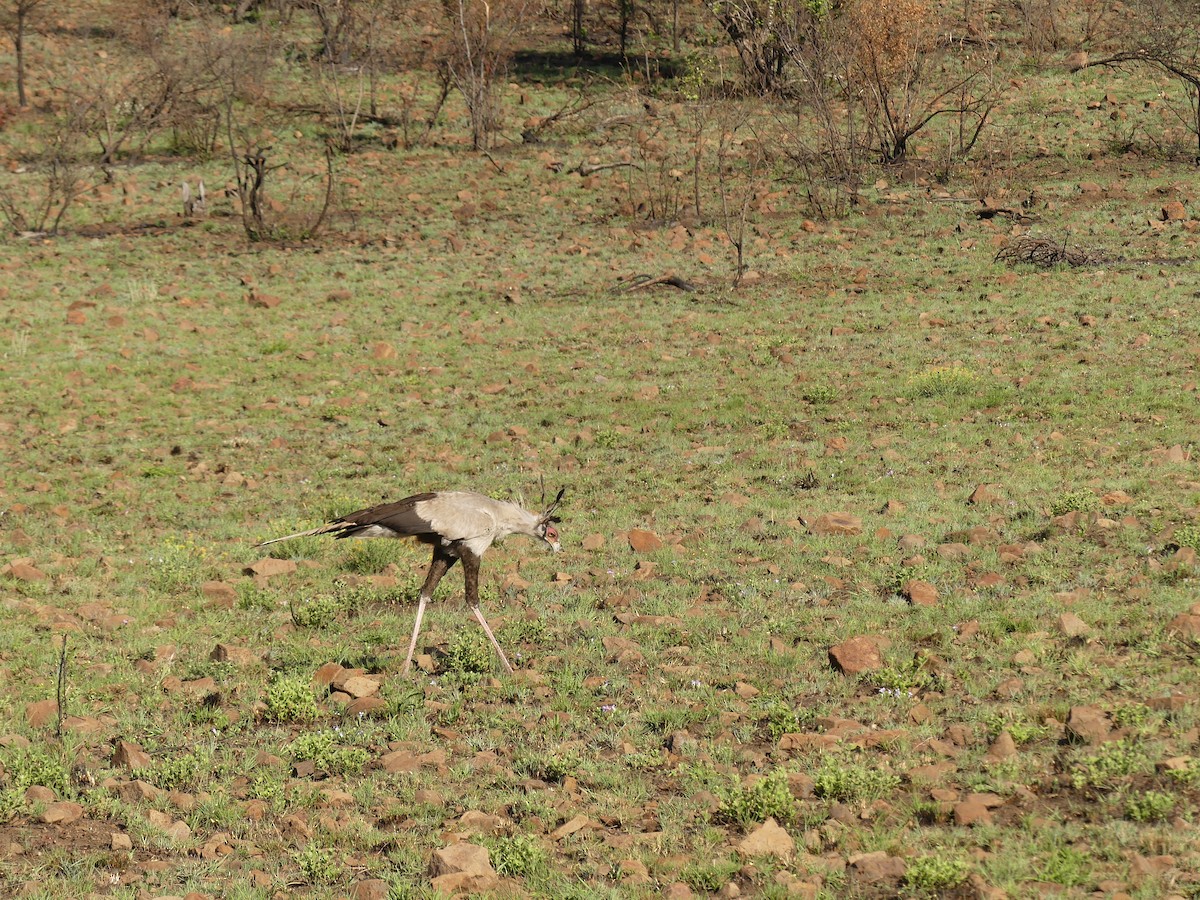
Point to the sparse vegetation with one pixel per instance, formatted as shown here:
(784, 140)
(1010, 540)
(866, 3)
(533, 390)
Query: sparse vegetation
(523, 274)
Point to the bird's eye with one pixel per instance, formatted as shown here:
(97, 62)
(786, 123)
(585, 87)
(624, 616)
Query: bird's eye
(551, 533)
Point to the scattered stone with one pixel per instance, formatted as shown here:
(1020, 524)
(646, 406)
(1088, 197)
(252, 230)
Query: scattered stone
(172, 828)
(857, 655)
(120, 841)
(836, 523)
(480, 822)
(972, 812)
(911, 542)
(1087, 725)
(219, 593)
(769, 839)
(41, 712)
(1174, 211)
(1186, 624)
(644, 541)
(872, 868)
(269, 566)
(371, 889)
(61, 813)
(568, 828)
(366, 707)
(23, 570)
(130, 756)
(400, 761)
(593, 542)
(37, 793)
(1003, 747)
(678, 890)
(1071, 626)
(984, 495)
(242, 656)
(463, 868)
(920, 593)
(360, 686)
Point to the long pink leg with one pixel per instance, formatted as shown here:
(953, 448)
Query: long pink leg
(491, 637)
(440, 566)
(471, 576)
(412, 645)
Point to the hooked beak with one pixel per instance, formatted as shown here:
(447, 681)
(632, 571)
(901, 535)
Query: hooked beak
(554, 545)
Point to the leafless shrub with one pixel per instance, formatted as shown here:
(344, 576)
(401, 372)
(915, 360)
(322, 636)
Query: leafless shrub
(477, 51)
(1047, 254)
(1165, 35)
(740, 161)
(757, 29)
(908, 76)
(58, 176)
(17, 18)
(827, 137)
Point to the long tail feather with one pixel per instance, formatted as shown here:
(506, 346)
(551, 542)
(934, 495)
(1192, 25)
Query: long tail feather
(324, 529)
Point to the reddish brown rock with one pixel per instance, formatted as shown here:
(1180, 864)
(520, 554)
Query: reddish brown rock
(371, 889)
(836, 523)
(1003, 747)
(1071, 626)
(242, 656)
(1087, 724)
(920, 593)
(857, 655)
(61, 813)
(768, 839)
(874, 868)
(644, 541)
(269, 566)
(130, 756)
(360, 686)
(577, 823)
(972, 811)
(23, 570)
(41, 712)
(1174, 211)
(985, 494)
(1186, 624)
(219, 594)
(463, 867)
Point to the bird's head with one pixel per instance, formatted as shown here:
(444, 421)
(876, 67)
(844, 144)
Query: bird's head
(545, 524)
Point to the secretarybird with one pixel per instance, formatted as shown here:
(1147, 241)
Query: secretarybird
(459, 525)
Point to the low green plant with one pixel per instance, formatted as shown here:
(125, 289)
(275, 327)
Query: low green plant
(183, 772)
(1066, 866)
(943, 381)
(1074, 501)
(768, 797)
(318, 865)
(1109, 764)
(1187, 536)
(548, 766)
(710, 877)
(29, 766)
(1188, 775)
(819, 394)
(846, 781)
(317, 612)
(930, 874)
(518, 856)
(328, 754)
(1151, 806)
(290, 698)
(781, 718)
(468, 653)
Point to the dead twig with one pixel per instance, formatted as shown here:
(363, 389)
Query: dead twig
(1046, 254)
(586, 169)
(639, 282)
(61, 692)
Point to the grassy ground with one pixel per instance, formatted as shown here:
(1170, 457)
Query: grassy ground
(1030, 722)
